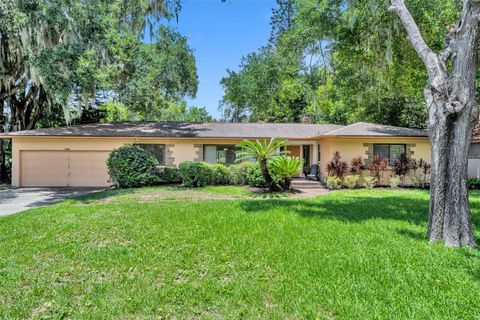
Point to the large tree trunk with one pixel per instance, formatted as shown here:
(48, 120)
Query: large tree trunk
(452, 114)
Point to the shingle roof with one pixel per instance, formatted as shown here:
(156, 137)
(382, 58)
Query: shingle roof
(185, 130)
(376, 130)
(220, 130)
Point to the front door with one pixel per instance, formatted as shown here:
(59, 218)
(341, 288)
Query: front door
(306, 156)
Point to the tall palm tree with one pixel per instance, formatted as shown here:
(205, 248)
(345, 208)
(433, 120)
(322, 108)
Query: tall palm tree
(263, 151)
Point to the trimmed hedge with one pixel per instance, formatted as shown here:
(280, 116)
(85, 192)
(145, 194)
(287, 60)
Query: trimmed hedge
(169, 175)
(196, 174)
(238, 173)
(473, 183)
(220, 174)
(130, 166)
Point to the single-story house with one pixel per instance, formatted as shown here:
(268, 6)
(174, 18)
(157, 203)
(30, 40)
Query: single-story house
(76, 155)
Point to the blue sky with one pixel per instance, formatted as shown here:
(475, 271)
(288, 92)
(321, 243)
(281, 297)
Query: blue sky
(220, 34)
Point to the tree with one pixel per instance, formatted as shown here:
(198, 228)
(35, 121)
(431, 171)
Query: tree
(452, 114)
(263, 151)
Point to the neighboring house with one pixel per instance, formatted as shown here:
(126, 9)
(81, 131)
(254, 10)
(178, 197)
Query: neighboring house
(474, 154)
(75, 156)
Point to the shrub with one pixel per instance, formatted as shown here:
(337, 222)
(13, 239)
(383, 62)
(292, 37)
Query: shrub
(417, 181)
(263, 151)
(130, 166)
(473, 183)
(220, 174)
(357, 165)
(337, 167)
(334, 183)
(402, 166)
(195, 174)
(378, 166)
(238, 173)
(170, 175)
(255, 177)
(394, 181)
(285, 168)
(369, 182)
(350, 181)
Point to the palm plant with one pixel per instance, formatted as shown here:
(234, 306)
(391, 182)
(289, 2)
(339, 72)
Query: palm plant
(286, 168)
(263, 151)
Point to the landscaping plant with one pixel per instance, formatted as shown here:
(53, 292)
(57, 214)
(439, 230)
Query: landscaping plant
(401, 167)
(196, 174)
(220, 174)
(131, 166)
(169, 175)
(395, 181)
(263, 151)
(369, 182)
(337, 167)
(238, 173)
(351, 180)
(334, 183)
(255, 177)
(378, 166)
(285, 168)
(357, 166)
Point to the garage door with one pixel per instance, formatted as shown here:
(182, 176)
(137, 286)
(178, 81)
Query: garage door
(64, 169)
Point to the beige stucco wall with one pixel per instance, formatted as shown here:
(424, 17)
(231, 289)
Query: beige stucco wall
(184, 149)
(354, 147)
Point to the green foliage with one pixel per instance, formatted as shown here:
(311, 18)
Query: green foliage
(340, 62)
(220, 174)
(395, 181)
(196, 174)
(69, 53)
(370, 182)
(255, 177)
(130, 166)
(473, 183)
(169, 175)
(417, 181)
(334, 183)
(261, 149)
(350, 181)
(285, 168)
(238, 173)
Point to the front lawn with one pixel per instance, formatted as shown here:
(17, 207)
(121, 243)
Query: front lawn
(345, 255)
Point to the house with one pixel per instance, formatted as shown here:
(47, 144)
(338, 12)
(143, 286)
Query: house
(76, 155)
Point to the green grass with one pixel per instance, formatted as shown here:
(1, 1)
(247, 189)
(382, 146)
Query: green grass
(174, 193)
(346, 255)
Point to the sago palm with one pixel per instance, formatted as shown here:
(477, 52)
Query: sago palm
(286, 168)
(263, 151)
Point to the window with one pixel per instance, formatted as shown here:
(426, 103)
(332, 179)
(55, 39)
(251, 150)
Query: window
(319, 153)
(224, 154)
(157, 150)
(389, 151)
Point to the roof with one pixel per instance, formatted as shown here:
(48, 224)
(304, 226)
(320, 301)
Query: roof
(376, 130)
(219, 130)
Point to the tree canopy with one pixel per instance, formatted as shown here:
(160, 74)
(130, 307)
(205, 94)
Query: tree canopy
(339, 62)
(59, 54)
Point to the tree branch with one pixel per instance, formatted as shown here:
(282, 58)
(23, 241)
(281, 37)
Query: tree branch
(426, 54)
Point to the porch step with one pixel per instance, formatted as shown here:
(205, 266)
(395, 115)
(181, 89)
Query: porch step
(306, 184)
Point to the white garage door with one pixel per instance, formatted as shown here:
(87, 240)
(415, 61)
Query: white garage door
(63, 169)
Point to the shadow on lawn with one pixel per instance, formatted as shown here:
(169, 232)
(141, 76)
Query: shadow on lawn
(356, 208)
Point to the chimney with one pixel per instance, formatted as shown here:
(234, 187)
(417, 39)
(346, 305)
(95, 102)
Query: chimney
(306, 120)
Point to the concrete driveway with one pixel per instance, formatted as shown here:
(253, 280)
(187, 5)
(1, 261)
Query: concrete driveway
(17, 200)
